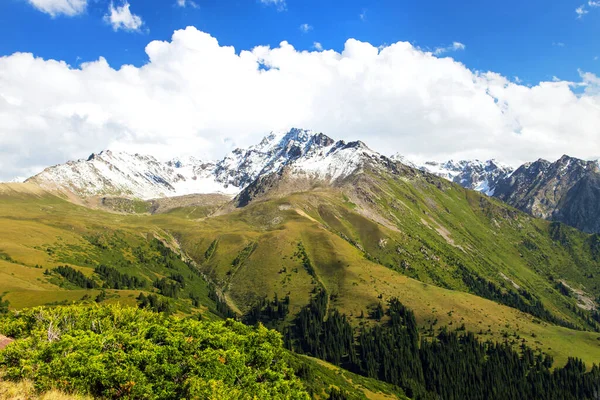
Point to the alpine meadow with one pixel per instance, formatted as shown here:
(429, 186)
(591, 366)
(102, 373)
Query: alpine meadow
(167, 233)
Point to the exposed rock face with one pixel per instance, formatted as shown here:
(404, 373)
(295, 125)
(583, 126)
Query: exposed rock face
(567, 191)
(482, 176)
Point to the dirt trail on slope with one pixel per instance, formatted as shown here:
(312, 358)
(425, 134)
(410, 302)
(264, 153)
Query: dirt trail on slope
(305, 215)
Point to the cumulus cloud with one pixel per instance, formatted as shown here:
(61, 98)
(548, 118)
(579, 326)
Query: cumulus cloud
(281, 5)
(120, 17)
(58, 7)
(455, 46)
(197, 97)
(318, 46)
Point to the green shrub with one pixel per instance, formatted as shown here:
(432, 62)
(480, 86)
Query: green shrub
(120, 352)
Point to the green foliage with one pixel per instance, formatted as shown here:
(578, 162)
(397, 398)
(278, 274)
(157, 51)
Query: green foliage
(337, 394)
(306, 263)
(77, 278)
(116, 352)
(521, 300)
(113, 279)
(328, 338)
(268, 312)
(155, 303)
(4, 304)
(168, 287)
(563, 289)
(211, 249)
(452, 366)
(101, 296)
(243, 255)
(222, 308)
(6, 257)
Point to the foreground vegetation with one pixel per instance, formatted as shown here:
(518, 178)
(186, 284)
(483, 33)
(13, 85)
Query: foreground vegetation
(117, 352)
(123, 352)
(321, 267)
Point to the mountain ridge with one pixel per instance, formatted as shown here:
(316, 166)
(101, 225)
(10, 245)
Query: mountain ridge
(302, 152)
(566, 190)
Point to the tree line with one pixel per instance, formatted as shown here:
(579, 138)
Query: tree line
(521, 300)
(453, 365)
(76, 277)
(113, 279)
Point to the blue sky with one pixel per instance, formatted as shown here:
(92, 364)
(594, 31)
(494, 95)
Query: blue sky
(511, 80)
(534, 40)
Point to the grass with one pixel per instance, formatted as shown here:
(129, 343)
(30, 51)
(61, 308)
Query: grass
(25, 390)
(41, 232)
(319, 375)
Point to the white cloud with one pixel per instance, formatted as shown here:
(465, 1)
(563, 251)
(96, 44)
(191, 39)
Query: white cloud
(57, 7)
(318, 46)
(581, 11)
(279, 4)
(120, 17)
(187, 3)
(196, 97)
(363, 15)
(558, 44)
(592, 3)
(455, 46)
(305, 28)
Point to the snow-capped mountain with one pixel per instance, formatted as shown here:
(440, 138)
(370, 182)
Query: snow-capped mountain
(122, 174)
(482, 176)
(302, 152)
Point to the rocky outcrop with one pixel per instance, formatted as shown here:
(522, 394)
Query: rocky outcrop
(567, 191)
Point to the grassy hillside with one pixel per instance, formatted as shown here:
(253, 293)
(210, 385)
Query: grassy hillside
(41, 232)
(274, 230)
(434, 245)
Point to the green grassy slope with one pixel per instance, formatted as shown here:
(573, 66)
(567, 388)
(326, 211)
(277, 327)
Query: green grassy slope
(382, 236)
(40, 232)
(348, 265)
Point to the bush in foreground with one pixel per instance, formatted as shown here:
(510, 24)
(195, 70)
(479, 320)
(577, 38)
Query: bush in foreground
(119, 352)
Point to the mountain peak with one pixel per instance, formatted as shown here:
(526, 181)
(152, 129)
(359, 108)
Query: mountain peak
(95, 156)
(303, 152)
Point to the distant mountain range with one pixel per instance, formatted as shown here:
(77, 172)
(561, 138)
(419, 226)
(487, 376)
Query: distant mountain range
(304, 153)
(482, 176)
(567, 190)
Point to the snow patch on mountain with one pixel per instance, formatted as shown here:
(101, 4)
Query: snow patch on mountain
(335, 161)
(482, 176)
(124, 174)
(305, 153)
